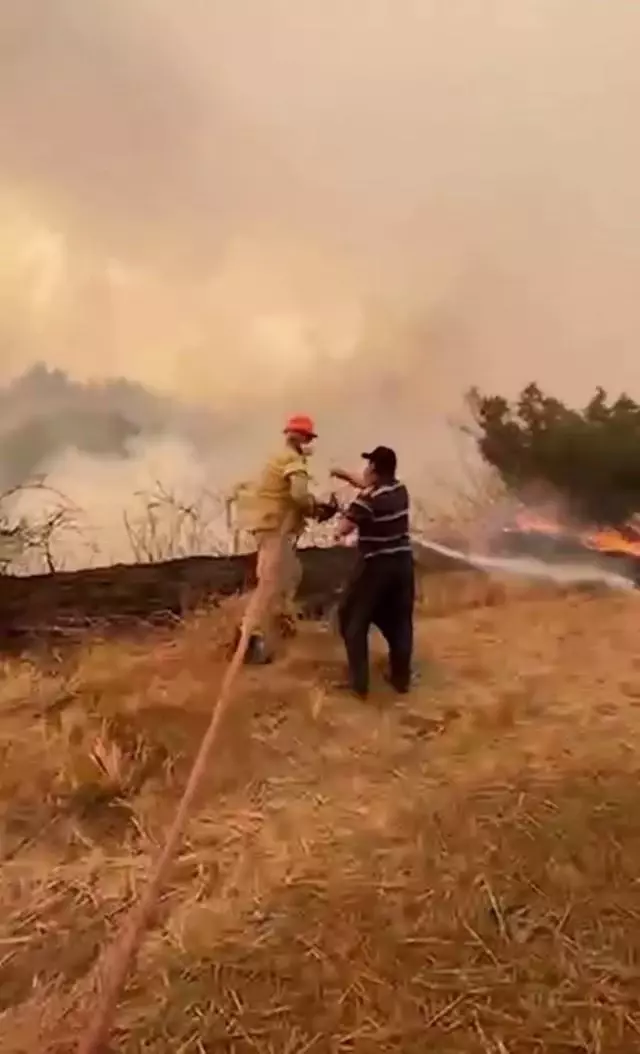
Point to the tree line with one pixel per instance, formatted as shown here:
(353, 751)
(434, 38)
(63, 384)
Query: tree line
(588, 456)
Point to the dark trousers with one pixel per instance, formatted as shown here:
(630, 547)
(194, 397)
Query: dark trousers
(380, 593)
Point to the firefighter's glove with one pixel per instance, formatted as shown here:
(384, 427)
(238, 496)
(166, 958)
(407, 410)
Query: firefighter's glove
(326, 510)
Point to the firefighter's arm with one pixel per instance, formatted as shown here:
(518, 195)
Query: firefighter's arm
(307, 503)
(301, 496)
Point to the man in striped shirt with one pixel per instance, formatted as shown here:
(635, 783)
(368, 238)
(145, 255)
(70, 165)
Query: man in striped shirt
(382, 589)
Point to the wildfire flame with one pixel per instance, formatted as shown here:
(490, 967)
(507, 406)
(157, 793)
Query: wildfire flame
(603, 540)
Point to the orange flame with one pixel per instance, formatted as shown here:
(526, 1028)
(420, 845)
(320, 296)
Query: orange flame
(604, 540)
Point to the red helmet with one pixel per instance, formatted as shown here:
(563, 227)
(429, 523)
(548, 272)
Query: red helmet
(302, 425)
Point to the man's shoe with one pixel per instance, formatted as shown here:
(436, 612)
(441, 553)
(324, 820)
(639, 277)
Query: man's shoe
(401, 687)
(256, 654)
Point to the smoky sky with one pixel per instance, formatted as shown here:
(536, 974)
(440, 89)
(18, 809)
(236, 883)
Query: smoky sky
(360, 207)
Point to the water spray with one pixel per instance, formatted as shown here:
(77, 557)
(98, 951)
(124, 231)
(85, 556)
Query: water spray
(566, 573)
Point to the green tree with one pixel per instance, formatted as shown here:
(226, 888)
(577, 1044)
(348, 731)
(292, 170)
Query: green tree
(589, 456)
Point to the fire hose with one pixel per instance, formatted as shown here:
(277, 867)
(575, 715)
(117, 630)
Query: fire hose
(112, 970)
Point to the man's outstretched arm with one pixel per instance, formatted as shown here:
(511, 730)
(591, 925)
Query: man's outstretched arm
(352, 478)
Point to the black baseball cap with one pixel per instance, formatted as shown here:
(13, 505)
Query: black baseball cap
(383, 459)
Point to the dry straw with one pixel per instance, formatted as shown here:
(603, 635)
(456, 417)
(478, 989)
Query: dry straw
(113, 968)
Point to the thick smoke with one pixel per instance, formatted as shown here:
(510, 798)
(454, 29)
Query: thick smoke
(352, 209)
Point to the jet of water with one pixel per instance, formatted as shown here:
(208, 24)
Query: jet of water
(530, 567)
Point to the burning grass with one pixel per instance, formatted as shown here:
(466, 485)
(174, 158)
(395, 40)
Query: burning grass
(456, 871)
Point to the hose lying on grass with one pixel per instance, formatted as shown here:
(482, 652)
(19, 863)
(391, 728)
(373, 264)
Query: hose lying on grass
(113, 968)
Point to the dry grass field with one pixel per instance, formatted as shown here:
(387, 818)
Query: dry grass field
(455, 871)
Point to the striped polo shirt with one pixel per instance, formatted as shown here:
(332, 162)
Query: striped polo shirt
(381, 515)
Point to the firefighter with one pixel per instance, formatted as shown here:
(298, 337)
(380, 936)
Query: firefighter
(281, 504)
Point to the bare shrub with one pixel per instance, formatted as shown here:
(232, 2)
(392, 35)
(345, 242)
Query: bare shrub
(37, 542)
(166, 527)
